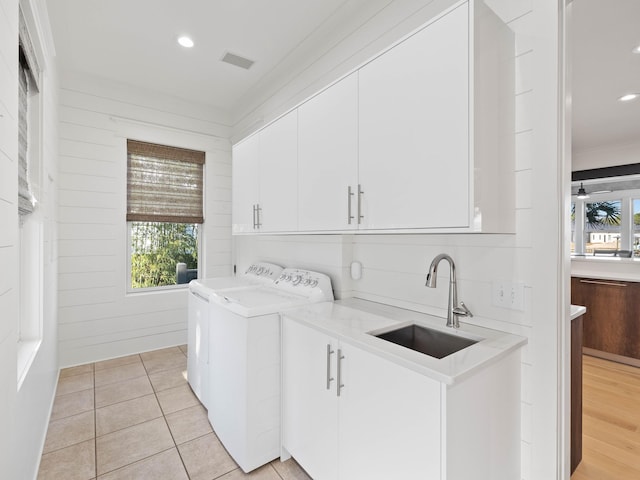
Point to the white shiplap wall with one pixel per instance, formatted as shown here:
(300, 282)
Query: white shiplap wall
(97, 318)
(8, 229)
(394, 266)
(24, 410)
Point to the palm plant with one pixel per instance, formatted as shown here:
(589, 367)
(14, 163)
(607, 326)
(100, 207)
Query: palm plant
(601, 214)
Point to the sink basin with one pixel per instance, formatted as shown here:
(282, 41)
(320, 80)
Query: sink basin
(426, 340)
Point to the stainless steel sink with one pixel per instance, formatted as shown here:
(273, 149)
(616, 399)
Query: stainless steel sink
(426, 340)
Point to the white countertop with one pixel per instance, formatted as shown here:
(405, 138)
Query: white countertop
(577, 310)
(606, 268)
(349, 320)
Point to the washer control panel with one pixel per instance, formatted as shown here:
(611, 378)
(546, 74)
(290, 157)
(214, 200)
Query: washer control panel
(315, 285)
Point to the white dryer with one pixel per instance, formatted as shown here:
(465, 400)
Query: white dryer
(244, 349)
(198, 319)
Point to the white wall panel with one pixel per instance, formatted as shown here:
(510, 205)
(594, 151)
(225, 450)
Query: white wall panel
(9, 285)
(95, 263)
(86, 280)
(141, 341)
(8, 134)
(524, 150)
(80, 231)
(133, 109)
(33, 397)
(90, 215)
(139, 305)
(92, 135)
(98, 318)
(82, 150)
(87, 183)
(607, 156)
(524, 73)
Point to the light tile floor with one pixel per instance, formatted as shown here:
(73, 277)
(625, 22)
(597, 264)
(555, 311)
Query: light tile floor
(135, 418)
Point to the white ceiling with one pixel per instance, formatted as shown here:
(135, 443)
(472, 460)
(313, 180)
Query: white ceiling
(603, 34)
(134, 41)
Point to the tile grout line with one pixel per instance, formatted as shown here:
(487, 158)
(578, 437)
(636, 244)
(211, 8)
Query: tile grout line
(164, 417)
(95, 425)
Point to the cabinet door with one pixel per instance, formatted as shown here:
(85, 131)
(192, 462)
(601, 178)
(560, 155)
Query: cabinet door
(309, 408)
(328, 158)
(414, 130)
(279, 174)
(389, 419)
(612, 317)
(244, 182)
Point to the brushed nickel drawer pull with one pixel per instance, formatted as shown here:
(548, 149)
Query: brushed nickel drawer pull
(339, 384)
(596, 282)
(349, 195)
(329, 377)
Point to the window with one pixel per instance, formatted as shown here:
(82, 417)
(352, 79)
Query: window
(606, 224)
(602, 226)
(164, 212)
(31, 219)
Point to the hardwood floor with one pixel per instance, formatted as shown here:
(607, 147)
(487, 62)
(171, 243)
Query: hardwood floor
(611, 421)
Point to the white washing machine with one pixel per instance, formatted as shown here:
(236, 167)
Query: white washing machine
(198, 319)
(244, 369)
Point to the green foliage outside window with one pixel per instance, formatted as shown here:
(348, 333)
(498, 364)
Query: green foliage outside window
(156, 248)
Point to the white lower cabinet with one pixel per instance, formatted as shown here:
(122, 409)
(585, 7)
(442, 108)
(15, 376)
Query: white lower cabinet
(350, 414)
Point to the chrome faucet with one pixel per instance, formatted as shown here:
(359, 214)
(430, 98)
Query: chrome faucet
(453, 310)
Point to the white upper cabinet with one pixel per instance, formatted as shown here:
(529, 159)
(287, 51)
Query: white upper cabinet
(328, 158)
(414, 130)
(244, 193)
(264, 179)
(419, 139)
(278, 175)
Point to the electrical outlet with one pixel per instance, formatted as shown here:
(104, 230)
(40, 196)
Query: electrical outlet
(508, 294)
(516, 296)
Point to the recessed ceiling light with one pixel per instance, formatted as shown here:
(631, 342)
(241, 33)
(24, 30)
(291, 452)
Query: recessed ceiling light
(185, 42)
(628, 97)
(636, 50)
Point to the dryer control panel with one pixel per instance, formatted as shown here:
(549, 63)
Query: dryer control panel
(267, 272)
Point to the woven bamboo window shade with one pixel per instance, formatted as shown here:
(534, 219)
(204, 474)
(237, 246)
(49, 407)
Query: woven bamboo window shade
(164, 184)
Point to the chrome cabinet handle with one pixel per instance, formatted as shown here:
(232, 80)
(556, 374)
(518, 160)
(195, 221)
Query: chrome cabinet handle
(329, 377)
(339, 362)
(254, 216)
(596, 282)
(258, 210)
(360, 193)
(349, 195)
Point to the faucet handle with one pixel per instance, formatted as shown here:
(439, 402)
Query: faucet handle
(462, 311)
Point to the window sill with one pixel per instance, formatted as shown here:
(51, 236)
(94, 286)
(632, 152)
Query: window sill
(27, 351)
(603, 259)
(156, 290)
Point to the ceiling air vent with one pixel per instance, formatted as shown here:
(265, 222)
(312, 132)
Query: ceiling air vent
(237, 60)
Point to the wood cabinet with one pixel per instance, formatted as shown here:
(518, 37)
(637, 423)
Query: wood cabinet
(265, 169)
(414, 140)
(612, 320)
(350, 413)
(576, 392)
